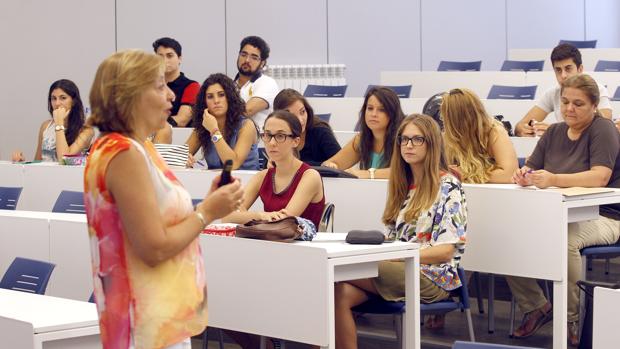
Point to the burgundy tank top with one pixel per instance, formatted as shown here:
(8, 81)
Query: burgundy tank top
(273, 201)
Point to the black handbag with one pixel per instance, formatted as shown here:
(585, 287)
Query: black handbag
(366, 237)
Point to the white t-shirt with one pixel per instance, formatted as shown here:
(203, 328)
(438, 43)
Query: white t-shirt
(550, 101)
(265, 88)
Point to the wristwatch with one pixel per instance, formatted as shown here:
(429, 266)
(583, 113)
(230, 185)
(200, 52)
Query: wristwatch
(216, 136)
(372, 172)
(59, 128)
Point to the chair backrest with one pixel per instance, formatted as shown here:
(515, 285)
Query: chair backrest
(580, 43)
(9, 197)
(512, 92)
(27, 275)
(610, 66)
(327, 218)
(459, 66)
(526, 66)
(402, 91)
(325, 91)
(478, 345)
(70, 202)
(262, 158)
(616, 96)
(324, 117)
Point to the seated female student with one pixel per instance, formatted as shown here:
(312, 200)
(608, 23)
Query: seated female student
(372, 147)
(65, 133)
(290, 187)
(425, 205)
(477, 146)
(220, 127)
(582, 151)
(317, 142)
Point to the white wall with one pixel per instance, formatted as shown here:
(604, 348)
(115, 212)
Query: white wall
(45, 41)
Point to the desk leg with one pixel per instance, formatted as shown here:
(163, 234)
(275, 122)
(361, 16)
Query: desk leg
(560, 317)
(411, 332)
(331, 308)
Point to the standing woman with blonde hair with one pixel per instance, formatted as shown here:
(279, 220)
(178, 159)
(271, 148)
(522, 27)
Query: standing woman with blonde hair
(477, 146)
(147, 266)
(425, 205)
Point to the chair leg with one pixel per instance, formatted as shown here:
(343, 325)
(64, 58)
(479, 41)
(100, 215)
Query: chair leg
(476, 276)
(513, 310)
(589, 264)
(400, 327)
(205, 339)
(263, 342)
(606, 266)
(491, 304)
(470, 325)
(221, 339)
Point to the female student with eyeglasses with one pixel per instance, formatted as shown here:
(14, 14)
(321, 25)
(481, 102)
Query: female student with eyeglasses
(290, 187)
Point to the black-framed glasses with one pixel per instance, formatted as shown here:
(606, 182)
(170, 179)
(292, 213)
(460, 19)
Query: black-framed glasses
(415, 140)
(279, 137)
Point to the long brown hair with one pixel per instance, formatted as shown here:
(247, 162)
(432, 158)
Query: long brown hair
(289, 96)
(467, 131)
(401, 175)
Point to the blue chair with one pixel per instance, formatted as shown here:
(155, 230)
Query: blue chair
(525, 66)
(616, 96)
(70, 202)
(459, 66)
(27, 275)
(327, 218)
(403, 91)
(376, 305)
(512, 92)
(478, 345)
(325, 91)
(580, 43)
(196, 202)
(612, 66)
(601, 252)
(9, 197)
(324, 117)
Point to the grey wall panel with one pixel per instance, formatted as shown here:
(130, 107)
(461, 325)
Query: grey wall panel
(295, 30)
(198, 25)
(602, 22)
(45, 41)
(371, 36)
(542, 24)
(463, 31)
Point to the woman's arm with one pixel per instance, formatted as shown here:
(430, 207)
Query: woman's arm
(135, 197)
(597, 176)
(247, 136)
(82, 141)
(502, 150)
(193, 142)
(346, 157)
(242, 215)
(437, 254)
(309, 189)
(44, 125)
(163, 135)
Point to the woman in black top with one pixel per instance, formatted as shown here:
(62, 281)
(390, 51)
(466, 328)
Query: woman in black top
(318, 142)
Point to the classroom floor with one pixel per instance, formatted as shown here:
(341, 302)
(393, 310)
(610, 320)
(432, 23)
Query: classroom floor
(456, 323)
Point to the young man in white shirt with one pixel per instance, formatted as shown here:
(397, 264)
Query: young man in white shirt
(566, 61)
(256, 89)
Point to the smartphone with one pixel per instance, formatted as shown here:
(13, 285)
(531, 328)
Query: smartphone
(226, 176)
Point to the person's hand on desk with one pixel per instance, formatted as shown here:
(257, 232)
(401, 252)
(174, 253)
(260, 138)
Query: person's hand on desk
(363, 174)
(275, 215)
(540, 128)
(330, 164)
(18, 156)
(541, 178)
(221, 201)
(191, 160)
(520, 176)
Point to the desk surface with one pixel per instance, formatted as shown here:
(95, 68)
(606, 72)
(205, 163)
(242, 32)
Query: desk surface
(335, 246)
(45, 313)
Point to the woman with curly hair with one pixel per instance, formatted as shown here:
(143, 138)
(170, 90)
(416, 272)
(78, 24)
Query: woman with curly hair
(220, 128)
(477, 146)
(65, 133)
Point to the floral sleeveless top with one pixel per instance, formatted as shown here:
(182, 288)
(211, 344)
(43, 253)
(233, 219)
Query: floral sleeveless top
(141, 306)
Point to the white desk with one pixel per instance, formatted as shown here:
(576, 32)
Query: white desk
(605, 321)
(286, 291)
(30, 321)
(523, 232)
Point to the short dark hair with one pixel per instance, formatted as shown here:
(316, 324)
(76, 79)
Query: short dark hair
(168, 43)
(565, 51)
(257, 42)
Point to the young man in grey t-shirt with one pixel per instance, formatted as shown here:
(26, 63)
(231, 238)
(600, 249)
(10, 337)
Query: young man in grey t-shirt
(566, 61)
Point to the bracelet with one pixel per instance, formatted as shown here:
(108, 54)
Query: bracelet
(202, 219)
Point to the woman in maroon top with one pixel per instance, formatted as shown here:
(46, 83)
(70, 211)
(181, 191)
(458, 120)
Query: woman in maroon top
(290, 187)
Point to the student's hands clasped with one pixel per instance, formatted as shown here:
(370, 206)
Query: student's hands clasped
(222, 201)
(525, 176)
(533, 129)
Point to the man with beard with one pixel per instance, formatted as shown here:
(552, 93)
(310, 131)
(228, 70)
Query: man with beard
(256, 89)
(185, 90)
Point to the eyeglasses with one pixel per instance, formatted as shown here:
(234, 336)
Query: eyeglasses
(280, 137)
(252, 57)
(415, 140)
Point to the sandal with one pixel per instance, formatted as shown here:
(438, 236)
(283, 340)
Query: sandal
(435, 322)
(534, 320)
(573, 333)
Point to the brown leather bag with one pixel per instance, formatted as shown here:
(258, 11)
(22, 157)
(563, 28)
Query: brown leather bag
(284, 230)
